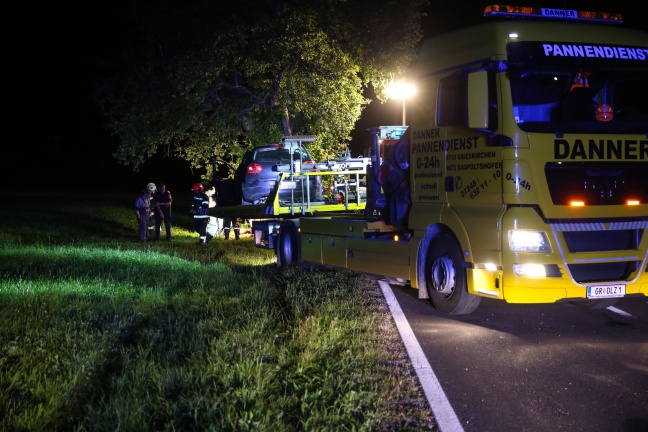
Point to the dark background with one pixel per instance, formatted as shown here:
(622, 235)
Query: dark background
(52, 132)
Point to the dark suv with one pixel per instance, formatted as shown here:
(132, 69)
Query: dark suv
(261, 167)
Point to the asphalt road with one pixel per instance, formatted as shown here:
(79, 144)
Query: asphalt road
(511, 367)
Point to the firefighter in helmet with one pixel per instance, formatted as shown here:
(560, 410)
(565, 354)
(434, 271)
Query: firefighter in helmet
(200, 212)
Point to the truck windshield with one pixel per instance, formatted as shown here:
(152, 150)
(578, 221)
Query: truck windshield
(567, 87)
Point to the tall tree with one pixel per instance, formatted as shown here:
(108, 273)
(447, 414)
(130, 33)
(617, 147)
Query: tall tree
(205, 80)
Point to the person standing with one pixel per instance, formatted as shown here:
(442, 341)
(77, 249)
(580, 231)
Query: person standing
(162, 199)
(200, 212)
(143, 211)
(228, 223)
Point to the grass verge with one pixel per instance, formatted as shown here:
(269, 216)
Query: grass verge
(99, 332)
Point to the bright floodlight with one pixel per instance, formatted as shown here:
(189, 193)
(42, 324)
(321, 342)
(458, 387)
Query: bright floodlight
(403, 91)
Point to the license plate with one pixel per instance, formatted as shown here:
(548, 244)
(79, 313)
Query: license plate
(602, 291)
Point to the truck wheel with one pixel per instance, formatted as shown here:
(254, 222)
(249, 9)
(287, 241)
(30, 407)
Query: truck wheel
(288, 246)
(445, 274)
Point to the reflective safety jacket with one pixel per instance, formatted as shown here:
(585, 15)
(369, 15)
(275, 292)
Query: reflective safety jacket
(200, 205)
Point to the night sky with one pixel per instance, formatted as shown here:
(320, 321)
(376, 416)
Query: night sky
(52, 131)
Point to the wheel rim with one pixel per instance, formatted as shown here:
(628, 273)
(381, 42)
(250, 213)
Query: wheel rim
(443, 275)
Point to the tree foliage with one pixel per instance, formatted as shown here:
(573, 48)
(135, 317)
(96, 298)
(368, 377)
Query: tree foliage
(205, 80)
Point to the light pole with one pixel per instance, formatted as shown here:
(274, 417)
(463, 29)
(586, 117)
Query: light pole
(401, 90)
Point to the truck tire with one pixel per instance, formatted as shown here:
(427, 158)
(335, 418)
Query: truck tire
(445, 273)
(288, 253)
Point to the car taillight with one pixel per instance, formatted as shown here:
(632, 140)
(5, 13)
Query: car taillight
(254, 168)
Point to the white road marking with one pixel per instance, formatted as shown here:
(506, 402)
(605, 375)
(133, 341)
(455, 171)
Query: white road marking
(443, 412)
(620, 312)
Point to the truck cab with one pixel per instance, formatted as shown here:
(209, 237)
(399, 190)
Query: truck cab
(533, 143)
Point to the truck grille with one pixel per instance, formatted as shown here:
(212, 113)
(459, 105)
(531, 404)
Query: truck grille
(597, 241)
(603, 272)
(603, 237)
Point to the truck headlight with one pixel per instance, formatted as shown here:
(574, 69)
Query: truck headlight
(537, 270)
(529, 270)
(528, 241)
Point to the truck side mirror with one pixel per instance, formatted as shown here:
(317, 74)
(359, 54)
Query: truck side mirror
(478, 100)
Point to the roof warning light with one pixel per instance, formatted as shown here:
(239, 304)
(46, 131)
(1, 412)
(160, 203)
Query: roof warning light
(551, 13)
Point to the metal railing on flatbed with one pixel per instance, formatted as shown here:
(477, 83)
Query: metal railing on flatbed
(346, 191)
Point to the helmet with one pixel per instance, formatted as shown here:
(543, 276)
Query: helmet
(151, 186)
(198, 187)
(580, 80)
(604, 113)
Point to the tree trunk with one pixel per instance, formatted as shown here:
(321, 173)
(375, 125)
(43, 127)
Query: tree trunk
(285, 123)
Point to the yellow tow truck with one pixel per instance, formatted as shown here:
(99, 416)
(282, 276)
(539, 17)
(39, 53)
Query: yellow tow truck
(521, 177)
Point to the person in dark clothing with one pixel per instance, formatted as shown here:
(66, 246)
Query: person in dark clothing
(200, 212)
(162, 199)
(228, 223)
(143, 211)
